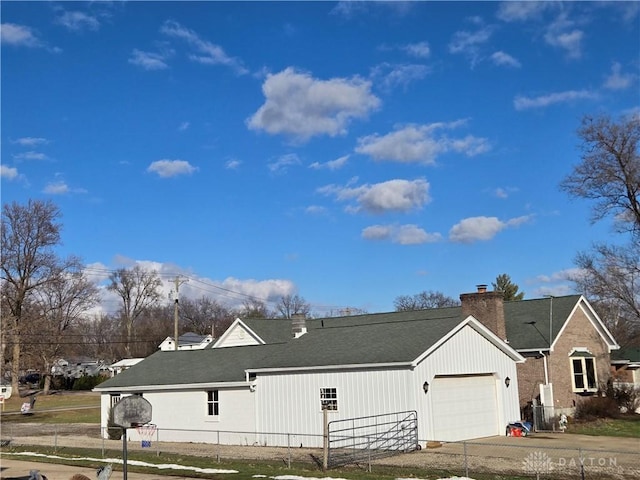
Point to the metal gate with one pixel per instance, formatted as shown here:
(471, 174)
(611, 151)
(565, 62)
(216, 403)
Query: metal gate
(358, 440)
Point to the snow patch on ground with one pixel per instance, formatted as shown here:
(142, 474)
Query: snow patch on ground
(137, 463)
(165, 466)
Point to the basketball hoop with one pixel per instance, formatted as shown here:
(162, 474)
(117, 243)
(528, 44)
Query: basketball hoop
(146, 433)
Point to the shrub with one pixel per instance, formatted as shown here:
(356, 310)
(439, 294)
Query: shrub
(597, 407)
(626, 397)
(87, 382)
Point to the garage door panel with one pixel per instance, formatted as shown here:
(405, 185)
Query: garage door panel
(464, 407)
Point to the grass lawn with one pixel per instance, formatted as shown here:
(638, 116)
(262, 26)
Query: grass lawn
(62, 407)
(246, 469)
(625, 426)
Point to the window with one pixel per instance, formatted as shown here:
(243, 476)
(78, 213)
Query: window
(114, 398)
(213, 404)
(584, 374)
(329, 399)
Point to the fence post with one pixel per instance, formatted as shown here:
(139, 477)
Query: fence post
(157, 440)
(218, 449)
(55, 438)
(288, 450)
(466, 464)
(102, 432)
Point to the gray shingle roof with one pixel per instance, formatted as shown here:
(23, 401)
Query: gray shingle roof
(395, 337)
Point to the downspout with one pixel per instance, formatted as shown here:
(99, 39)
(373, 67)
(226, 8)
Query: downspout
(546, 368)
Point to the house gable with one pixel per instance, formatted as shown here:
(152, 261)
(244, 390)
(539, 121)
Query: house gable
(587, 310)
(238, 334)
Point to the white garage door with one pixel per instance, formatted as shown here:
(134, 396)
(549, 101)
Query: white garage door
(464, 407)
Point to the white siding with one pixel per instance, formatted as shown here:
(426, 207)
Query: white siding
(181, 416)
(467, 353)
(290, 402)
(237, 336)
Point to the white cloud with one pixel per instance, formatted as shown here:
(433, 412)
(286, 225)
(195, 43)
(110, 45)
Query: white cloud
(281, 164)
(419, 144)
(524, 103)
(171, 168)
(420, 49)
(208, 53)
(393, 75)
(232, 164)
(511, 11)
(332, 164)
(301, 106)
(315, 210)
(10, 173)
(56, 188)
(469, 43)
(148, 60)
(391, 196)
(504, 59)
(30, 141)
(19, 36)
(60, 187)
(562, 34)
(474, 229)
(184, 126)
(504, 192)
(618, 80)
(403, 234)
(77, 21)
(30, 156)
(231, 292)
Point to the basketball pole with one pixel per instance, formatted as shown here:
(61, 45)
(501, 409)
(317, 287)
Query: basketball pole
(124, 453)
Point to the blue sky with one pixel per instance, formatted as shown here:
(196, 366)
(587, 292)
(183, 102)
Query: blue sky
(347, 152)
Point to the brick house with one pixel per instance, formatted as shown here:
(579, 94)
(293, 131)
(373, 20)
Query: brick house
(625, 366)
(566, 345)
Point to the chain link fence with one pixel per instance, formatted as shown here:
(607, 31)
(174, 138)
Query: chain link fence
(538, 456)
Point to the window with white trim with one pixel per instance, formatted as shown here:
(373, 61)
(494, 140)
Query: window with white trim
(213, 404)
(329, 399)
(583, 370)
(113, 399)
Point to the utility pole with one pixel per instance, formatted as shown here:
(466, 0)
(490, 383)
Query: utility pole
(178, 282)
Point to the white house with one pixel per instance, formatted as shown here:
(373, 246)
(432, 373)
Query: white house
(187, 341)
(262, 379)
(122, 365)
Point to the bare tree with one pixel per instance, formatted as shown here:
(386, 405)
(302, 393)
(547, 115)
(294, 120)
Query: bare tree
(424, 300)
(610, 276)
(509, 289)
(254, 308)
(138, 289)
(205, 316)
(29, 234)
(290, 305)
(61, 303)
(609, 174)
(610, 170)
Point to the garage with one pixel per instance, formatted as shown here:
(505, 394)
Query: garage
(464, 406)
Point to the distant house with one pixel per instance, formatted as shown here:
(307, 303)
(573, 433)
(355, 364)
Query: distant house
(187, 341)
(122, 365)
(264, 377)
(78, 367)
(625, 367)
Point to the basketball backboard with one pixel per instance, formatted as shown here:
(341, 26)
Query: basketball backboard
(131, 411)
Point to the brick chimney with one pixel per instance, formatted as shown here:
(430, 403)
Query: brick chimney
(487, 308)
(298, 324)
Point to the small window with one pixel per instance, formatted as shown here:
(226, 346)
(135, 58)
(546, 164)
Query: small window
(584, 374)
(114, 398)
(329, 399)
(213, 405)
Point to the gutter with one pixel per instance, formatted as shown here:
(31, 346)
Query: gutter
(181, 386)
